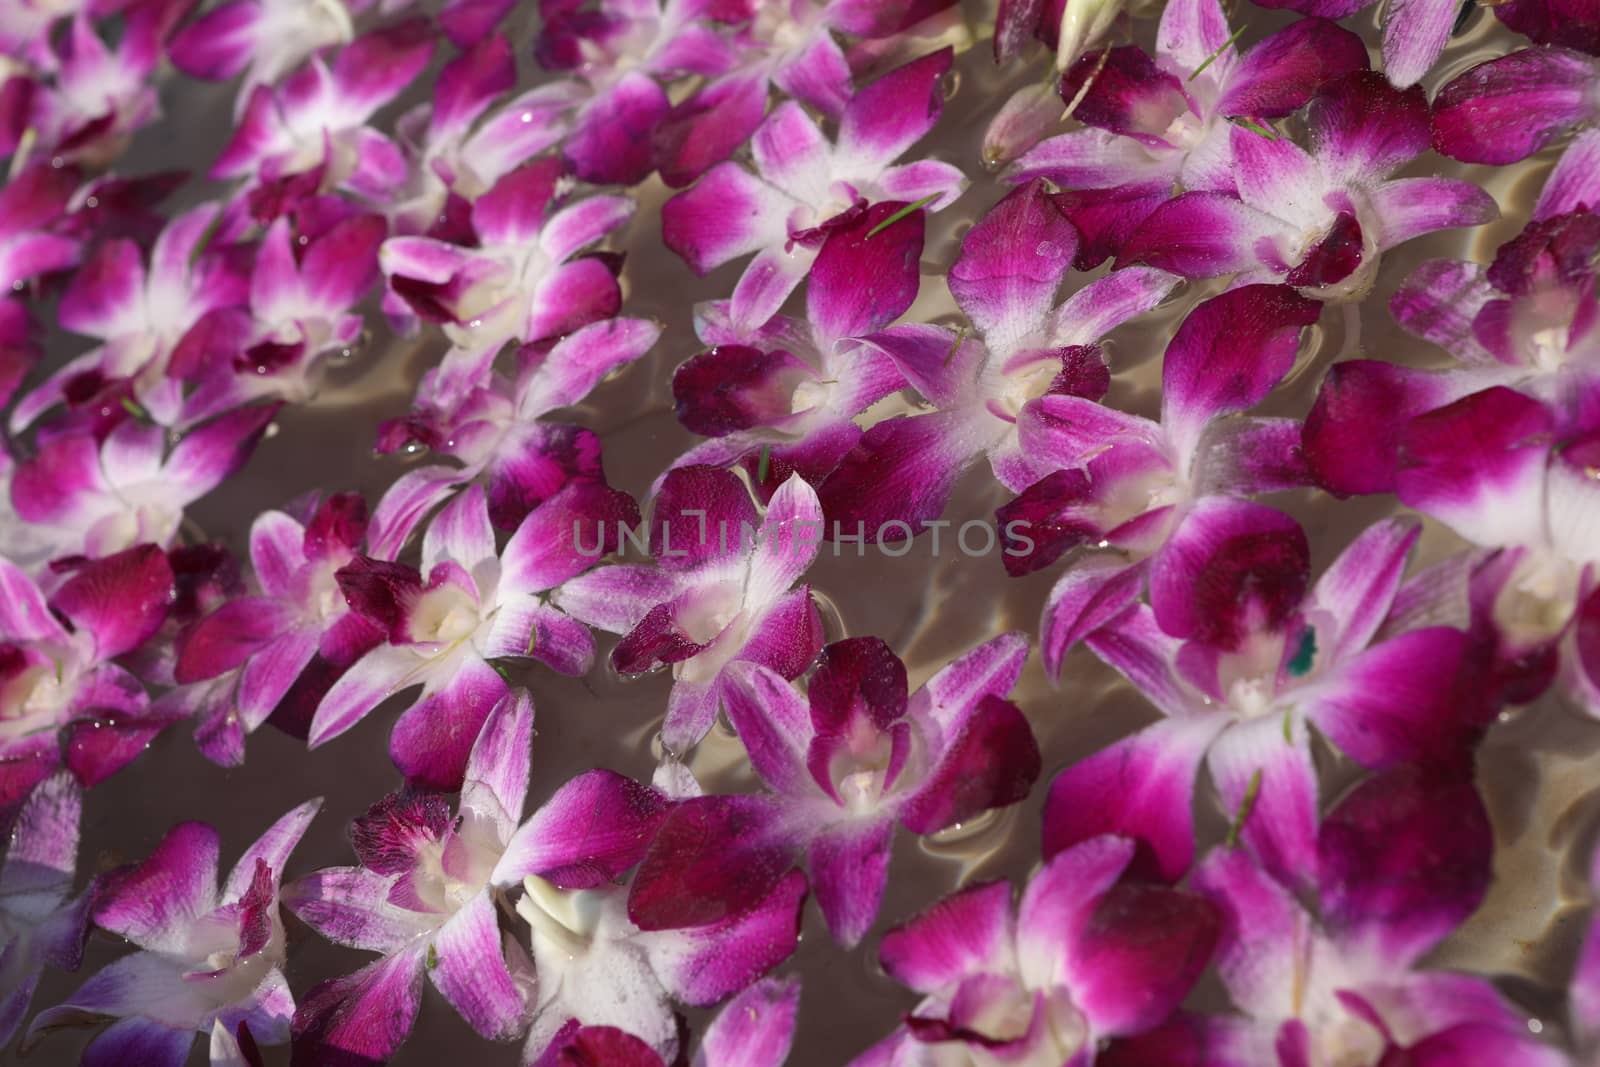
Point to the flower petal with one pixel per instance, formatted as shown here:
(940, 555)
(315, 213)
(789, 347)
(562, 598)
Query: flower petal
(592, 830)
(472, 974)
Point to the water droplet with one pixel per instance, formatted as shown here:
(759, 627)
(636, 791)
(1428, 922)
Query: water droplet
(302, 240)
(92, 202)
(527, 116)
(413, 448)
(1048, 249)
(950, 84)
(16, 286)
(1535, 1026)
(57, 162)
(271, 431)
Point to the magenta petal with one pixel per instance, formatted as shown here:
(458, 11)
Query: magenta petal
(705, 964)
(1127, 93)
(714, 857)
(1267, 785)
(1364, 127)
(701, 514)
(736, 387)
(432, 738)
(849, 867)
(1402, 861)
(592, 1046)
(774, 725)
(859, 684)
(563, 536)
(899, 476)
(705, 129)
(1280, 74)
(592, 830)
(991, 762)
(1141, 788)
(967, 932)
(755, 1028)
(1482, 1045)
(1199, 235)
(121, 599)
(611, 144)
(149, 904)
(1229, 353)
(1414, 34)
(496, 781)
(1091, 594)
(225, 639)
(360, 1018)
(889, 115)
(1006, 295)
(470, 970)
(1263, 934)
(1230, 568)
(105, 291)
(1352, 434)
(1506, 109)
(863, 280)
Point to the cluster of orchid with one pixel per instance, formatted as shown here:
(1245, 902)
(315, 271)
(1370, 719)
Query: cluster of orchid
(414, 173)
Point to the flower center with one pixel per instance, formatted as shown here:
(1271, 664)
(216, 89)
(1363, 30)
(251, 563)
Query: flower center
(1538, 599)
(446, 614)
(563, 921)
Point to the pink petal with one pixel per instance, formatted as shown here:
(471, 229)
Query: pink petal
(1143, 653)
(1428, 871)
(1140, 788)
(1505, 109)
(469, 83)
(472, 974)
(862, 280)
(889, 115)
(496, 781)
(990, 760)
(1353, 433)
(1575, 181)
(592, 830)
(1094, 311)
(1006, 295)
(1411, 207)
(754, 1029)
(460, 533)
(104, 297)
(774, 725)
(1280, 74)
(713, 858)
(1359, 586)
(371, 70)
(1200, 235)
(350, 906)
(849, 866)
(362, 1017)
(968, 932)
(1362, 127)
(729, 214)
(1414, 35)
(611, 143)
(24, 615)
(433, 738)
(898, 477)
(1089, 595)
(1125, 92)
(1270, 763)
(360, 689)
(272, 848)
(152, 902)
(704, 965)
(1264, 937)
(1191, 31)
(706, 128)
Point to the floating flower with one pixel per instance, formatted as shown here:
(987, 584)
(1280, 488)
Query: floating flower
(804, 187)
(1083, 957)
(1505, 109)
(844, 764)
(209, 961)
(722, 589)
(1318, 220)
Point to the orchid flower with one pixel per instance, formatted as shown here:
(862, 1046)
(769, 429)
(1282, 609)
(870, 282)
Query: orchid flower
(1083, 957)
(236, 665)
(844, 764)
(209, 961)
(1505, 109)
(466, 606)
(722, 589)
(1510, 474)
(526, 279)
(804, 187)
(31, 205)
(62, 698)
(790, 45)
(1399, 864)
(598, 969)
(94, 499)
(1318, 220)
(457, 147)
(143, 316)
(262, 39)
(904, 468)
(791, 389)
(40, 920)
(301, 300)
(621, 51)
(1414, 34)
(1240, 657)
(496, 425)
(1557, 22)
(99, 98)
(754, 1029)
(1164, 120)
(425, 893)
(310, 133)
(1125, 482)
(1526, 322)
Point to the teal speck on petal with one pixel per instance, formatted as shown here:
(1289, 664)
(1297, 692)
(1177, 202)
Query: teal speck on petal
(1305, 654)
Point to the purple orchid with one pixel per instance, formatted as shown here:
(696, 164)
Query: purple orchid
(143, 316)
(1400, 863)
(311, 134)
(98, 98)
(235, 666)
(1515, 477)
(262, 39)
(1524, 322)
(754, 1029)
(97, 498)
(496, 425)
(209, 961)
(1131, 484)
(301, 297)
(1414, 32)
(1156, 121)
(1240, 657)
(804, 187)
(621, 51)
(722, 589)
(1083, 957)
(466, 606)
(64, 700)
(845, 763)
(791, 389)
(598, 969)
(904, 468)
(791, 45)
(527, 278)
(1318, 220)
(32, 205)
(459, 144)
(1503, 110)
(40, 920)
(1068, 28)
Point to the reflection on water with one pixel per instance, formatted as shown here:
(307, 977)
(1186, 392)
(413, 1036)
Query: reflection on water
(1539, 770)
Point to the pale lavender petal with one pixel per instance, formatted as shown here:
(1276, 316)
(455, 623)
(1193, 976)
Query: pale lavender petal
(1267, 785)
(774, 725)
(469, 968)
(272, 848)
(497, 770)
(754, 1029)
(1411, 207)
(350, 906)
